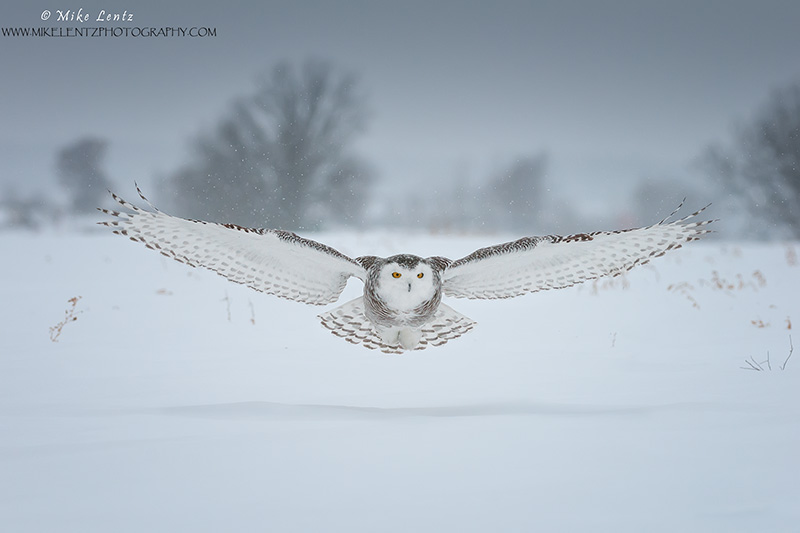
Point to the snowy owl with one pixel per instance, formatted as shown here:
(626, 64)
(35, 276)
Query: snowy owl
(401, 308)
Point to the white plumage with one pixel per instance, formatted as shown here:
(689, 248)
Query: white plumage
(533, 264)
(347, 321)
(271, 261)
(401, 308)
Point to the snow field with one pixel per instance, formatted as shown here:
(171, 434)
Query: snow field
(180, 402)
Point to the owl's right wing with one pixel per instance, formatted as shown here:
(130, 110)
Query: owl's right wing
(533, 264)
(272, 261)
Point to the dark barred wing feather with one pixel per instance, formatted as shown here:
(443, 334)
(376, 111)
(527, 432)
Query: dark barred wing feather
(534, 264)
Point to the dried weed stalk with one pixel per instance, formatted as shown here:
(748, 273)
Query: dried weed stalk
(791, 256)
(70, 315)
(752, 364)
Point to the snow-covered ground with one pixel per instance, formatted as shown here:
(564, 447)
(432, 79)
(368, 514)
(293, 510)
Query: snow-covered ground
(180, 402)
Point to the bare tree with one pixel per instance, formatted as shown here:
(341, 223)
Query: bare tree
(516, 191)
(347, 191)
(281, 157)
(762, 165)
(79, 167)
(227, 181)
(507, 199)
(24, 212)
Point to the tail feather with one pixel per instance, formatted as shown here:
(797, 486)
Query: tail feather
(349, 322)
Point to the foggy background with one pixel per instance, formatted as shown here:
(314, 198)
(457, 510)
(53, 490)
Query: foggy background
(513, 117)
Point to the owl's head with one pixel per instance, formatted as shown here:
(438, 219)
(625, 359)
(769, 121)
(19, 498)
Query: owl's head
(406, 281)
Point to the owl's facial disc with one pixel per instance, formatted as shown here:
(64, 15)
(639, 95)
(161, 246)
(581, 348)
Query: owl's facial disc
(406, 285)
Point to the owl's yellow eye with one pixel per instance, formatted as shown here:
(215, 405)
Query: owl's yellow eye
(420, 275)
(396, 274)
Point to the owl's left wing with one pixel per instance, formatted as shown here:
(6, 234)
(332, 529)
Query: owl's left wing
(272, 261)
(533, 264)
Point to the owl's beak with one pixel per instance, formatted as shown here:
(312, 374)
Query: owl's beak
(409, 287)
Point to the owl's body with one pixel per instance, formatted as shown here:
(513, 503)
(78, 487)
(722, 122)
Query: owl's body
(402, 307)
(401, 294)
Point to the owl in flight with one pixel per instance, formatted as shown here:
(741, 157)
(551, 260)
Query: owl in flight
(401, 308)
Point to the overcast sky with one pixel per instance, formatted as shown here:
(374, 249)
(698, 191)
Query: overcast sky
(614, 91)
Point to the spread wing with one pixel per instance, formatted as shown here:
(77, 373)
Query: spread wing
(533, 264)
(272, 261)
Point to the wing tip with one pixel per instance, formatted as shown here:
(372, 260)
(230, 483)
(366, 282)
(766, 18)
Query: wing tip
(128, 205)
(687, 217)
